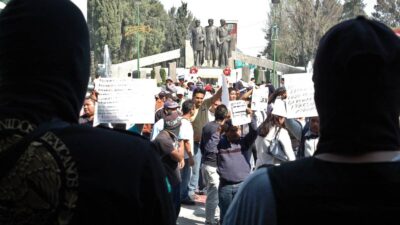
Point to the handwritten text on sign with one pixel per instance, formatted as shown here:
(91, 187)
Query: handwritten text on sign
(238, 112)
(300, 96)
(259, 99)
(126, 101)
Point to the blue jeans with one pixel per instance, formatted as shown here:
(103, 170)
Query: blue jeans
(185, 174)
(226, 193)
(194, 179)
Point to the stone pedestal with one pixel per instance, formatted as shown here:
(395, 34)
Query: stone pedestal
(143, 74)
(261, 77)
(189, 57)
(172, 71)
(246, 74)
(157, 72)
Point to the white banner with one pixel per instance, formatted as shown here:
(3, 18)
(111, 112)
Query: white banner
(125, 101)
(300, 95)
(225, 92)
(259, 99)
(239, 115)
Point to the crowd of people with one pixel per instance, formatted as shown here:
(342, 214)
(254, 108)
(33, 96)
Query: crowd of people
(56, 168)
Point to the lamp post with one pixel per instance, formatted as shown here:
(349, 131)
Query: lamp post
(138, 38)
(274, 38)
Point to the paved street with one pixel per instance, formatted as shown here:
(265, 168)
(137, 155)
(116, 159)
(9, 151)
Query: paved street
(193, 214)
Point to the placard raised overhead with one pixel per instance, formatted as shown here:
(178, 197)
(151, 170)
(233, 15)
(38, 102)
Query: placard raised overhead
(300, 95)
(238, 112)
(125, 101)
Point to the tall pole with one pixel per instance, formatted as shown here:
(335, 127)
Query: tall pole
(274, 38)
(137, 41)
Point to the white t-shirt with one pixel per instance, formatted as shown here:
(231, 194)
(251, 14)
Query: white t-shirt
(186, 133)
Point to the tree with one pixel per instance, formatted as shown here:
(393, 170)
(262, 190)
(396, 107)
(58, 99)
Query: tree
(352, 9)
(109, 21)
(301, 24)
(180, 19)
(163, 75)
(387, 12)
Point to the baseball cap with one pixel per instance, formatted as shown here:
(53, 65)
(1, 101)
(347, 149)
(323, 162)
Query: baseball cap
(172, 122)
(171, 104)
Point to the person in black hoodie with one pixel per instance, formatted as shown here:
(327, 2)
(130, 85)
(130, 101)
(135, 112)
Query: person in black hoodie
(354, 175)
(53, 171)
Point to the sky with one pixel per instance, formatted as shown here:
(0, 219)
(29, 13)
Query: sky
(251, 16)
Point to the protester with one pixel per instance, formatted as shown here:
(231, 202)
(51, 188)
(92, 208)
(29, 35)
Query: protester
(354, 175)
(186, 134)
(52, 170)
(209, 140)
(199, 119)
(233, 162)
(169, 106)
(171, 152)
(307, 135)
(88, 109)
(271, 129)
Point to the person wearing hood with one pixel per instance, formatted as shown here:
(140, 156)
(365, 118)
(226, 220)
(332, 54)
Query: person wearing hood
(171, 151)
(53, 171)
(354, 175)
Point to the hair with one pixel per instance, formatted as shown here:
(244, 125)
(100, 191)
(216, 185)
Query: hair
(187, 106)
(278, 92)
(91, 99)
(221, 112)
(230, 89)
(266, 126)
(199, 90)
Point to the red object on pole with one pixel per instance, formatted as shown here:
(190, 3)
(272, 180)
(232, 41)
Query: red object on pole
(193, 70)
(227, 71)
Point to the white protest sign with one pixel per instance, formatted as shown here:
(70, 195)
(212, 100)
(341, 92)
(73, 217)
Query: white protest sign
(259, 99)
(300, 95)
(225, 92)
(239, 115)
(125, 101)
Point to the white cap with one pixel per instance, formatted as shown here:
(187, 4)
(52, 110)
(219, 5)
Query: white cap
(279, 108)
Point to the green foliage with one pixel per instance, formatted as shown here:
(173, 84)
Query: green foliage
(109, 20)
(163, 75)
(352, 9)
(256, 74)
(387, 12)
(178, 26)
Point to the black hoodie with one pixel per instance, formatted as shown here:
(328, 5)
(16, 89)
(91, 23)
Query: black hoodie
(76, 174)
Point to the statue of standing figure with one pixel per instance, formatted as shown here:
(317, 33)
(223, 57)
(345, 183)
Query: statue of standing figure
(211, 44)
(198, 42)
(224, 41)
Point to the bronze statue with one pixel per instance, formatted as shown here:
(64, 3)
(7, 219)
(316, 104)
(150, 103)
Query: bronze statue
(224, 39)
(198, 41)
(211, 44)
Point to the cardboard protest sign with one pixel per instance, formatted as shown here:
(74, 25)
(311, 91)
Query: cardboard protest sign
(125, 101)
(239, 115)
(259, 99)
(300, 95)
